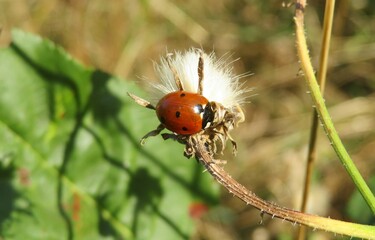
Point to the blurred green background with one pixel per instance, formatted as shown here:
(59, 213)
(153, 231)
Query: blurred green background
(123, 37)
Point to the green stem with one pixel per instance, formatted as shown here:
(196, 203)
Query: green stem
(322, 73)
(323, 112)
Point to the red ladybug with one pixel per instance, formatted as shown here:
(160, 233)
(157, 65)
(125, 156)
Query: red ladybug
(184, 112)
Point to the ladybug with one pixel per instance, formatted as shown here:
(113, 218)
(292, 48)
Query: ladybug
(184, 112)
(189, 114)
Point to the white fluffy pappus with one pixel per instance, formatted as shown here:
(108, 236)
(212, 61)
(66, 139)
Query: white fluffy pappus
(220, 84)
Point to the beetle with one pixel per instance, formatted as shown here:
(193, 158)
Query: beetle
(184, 112)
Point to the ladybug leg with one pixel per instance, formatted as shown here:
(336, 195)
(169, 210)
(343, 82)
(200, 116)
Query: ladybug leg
(152, 133)
(175, 74)
(141, 101)
(200, 72)
(172, 136)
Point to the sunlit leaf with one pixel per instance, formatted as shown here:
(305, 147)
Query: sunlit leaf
(70, 161)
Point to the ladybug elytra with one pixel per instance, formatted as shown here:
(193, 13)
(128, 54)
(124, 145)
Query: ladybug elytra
(184, 113)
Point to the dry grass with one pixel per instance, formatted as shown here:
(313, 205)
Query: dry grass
(122, 37)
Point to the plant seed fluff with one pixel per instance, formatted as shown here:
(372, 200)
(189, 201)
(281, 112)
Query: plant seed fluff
(219, 82)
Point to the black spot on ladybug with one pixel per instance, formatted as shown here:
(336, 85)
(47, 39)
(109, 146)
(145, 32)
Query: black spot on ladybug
(178, 114)
(182, 95)
(184, 128)
(162, 120)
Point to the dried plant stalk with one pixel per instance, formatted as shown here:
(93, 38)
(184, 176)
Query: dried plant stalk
(295, 217)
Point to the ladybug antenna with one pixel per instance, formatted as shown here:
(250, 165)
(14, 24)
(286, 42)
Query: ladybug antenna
(175, 74)
(200, 72)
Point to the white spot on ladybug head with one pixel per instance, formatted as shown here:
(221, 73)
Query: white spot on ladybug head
(198, 109)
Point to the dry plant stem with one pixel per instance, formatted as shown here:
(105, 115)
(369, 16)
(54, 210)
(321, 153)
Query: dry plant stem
(295, 217)
(311, 156)
(322, 73)
(322, 110)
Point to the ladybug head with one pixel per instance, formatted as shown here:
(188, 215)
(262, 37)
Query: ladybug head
(213, 115)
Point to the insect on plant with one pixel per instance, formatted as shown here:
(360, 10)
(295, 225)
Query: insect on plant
(198, 99)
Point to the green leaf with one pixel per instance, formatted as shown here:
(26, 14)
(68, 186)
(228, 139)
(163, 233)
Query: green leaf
(70, 161)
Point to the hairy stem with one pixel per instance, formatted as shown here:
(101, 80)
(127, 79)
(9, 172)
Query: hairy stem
(322, 110)
(295, 217)
(322, 73)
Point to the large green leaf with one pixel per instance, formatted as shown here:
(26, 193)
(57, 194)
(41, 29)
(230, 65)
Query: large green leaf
(70, 162)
